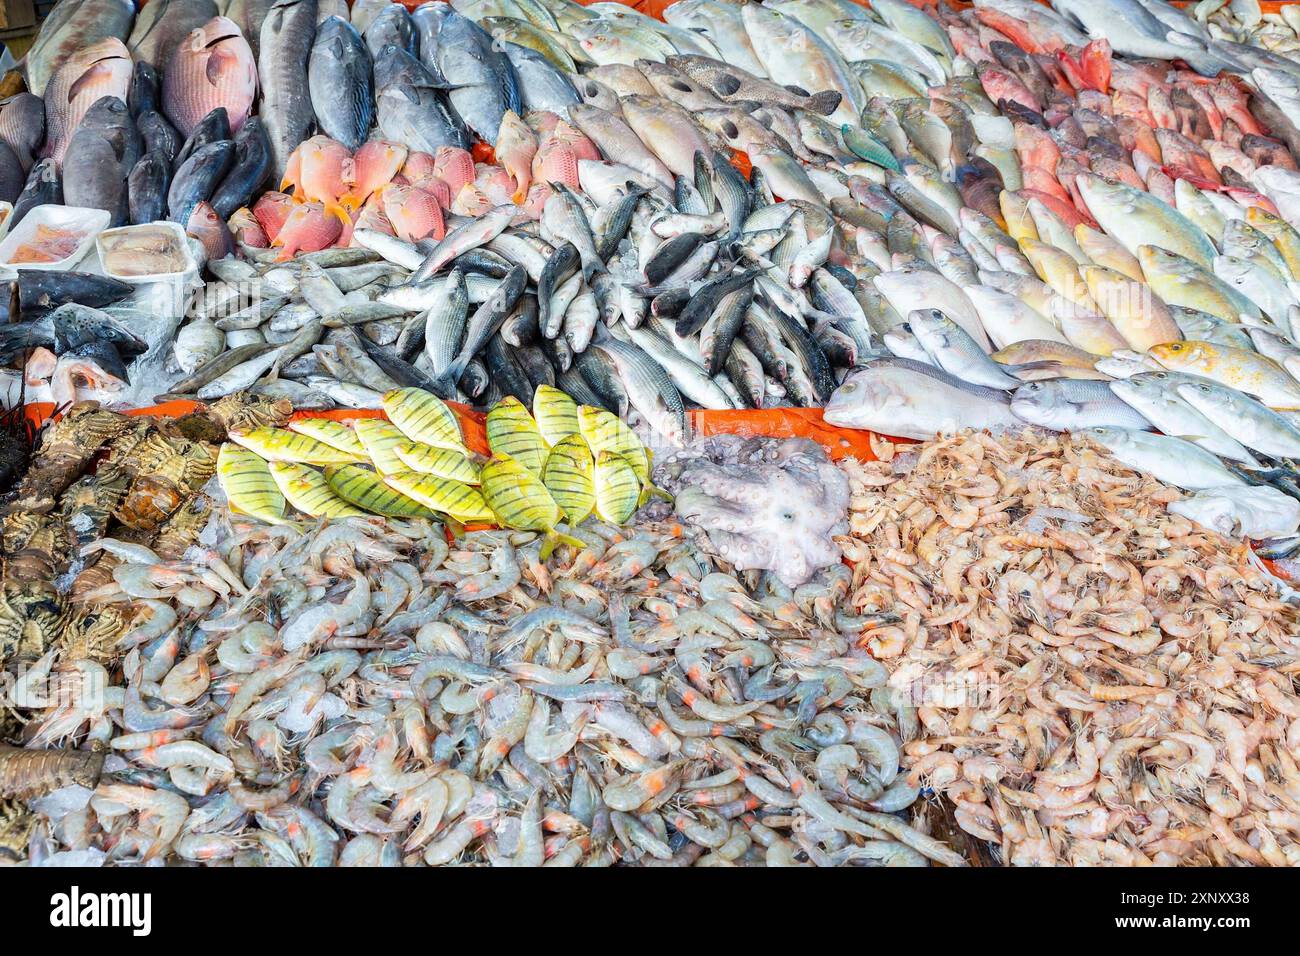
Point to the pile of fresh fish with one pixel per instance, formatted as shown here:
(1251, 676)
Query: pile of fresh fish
(1100, 681)
(504, 194)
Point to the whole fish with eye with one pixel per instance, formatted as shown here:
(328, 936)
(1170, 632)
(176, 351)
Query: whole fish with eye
(74, 26)
(284, 51)
(482, 81)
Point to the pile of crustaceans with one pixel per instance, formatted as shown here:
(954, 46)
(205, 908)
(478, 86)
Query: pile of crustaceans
(1097, 680)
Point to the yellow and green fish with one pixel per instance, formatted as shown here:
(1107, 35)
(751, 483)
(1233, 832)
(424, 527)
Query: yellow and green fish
(281, 444)
(424, 417)
(568, 476)
(246, 479)
(361, 486)
(308, 491)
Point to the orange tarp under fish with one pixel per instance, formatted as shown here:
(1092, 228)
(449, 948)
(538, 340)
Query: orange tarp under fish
(766, 422)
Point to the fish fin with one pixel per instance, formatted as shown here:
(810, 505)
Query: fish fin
(217, 62)
(335, 209)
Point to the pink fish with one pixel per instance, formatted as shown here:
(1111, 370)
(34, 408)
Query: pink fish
(583, 147)
(374, 165)
(471, 201)
(324, 172)
(371, 216)
(248, 231)
(213, 67)
(515, 148)
(101, 69)
(556, 162)
(453, 166)
(414, 213)
(271, 210)
(538, 193)
(206, 226)
(496, 183)
(309, 228)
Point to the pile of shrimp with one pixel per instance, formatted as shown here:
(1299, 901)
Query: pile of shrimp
(1096, 681)
(362, 692)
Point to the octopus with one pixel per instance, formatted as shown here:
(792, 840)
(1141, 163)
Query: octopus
(768, 504)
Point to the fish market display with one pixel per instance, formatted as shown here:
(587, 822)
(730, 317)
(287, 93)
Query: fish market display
(607, 233)
(702, 217)
(1097, 681)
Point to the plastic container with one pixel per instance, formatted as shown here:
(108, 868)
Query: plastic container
(89, 222)
(168, 291)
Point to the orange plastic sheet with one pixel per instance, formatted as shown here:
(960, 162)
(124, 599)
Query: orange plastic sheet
(767, 423)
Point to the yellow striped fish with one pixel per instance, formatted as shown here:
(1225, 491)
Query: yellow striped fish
(454, 498)
(442, 462)
(309, 492)
(617, 487)
(332, 433)
(280, 444)
(605, 431)
(568, 477)
(361, 486)
(521, 501)
(424, 417)
(512, 431)
(556, 414)
(381, 439)
(249, 487)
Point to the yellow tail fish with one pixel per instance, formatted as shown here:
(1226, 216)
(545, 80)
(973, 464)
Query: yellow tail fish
(443, 462)
(568, 477)
(556, 414)
(521, 501)
(512, 431)
(381, 439)
(424, 417)
(617, 488)
(309, 492)
(250, 489)
(361, 486)
(454, 498)
(332, 433)
(281, 444)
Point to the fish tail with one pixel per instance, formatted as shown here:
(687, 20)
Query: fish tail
(337, 210)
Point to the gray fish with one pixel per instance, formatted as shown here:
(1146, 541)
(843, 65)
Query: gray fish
(285, 103)
(43, 187)
(157, 135)
(900, 397)
(146, 188)
(392, 27)
(427, 20)
(161, 25)
(249, 169)
(444, 323)
(487, 319)
(542, 86)
(22, 127)
(1155, 395)
(954, 351)
(198, 177)
(1064, 404)
(340, 76)
(12, 178)
(409, 107)
(103, 150)
(481, 78)
(648, 388)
